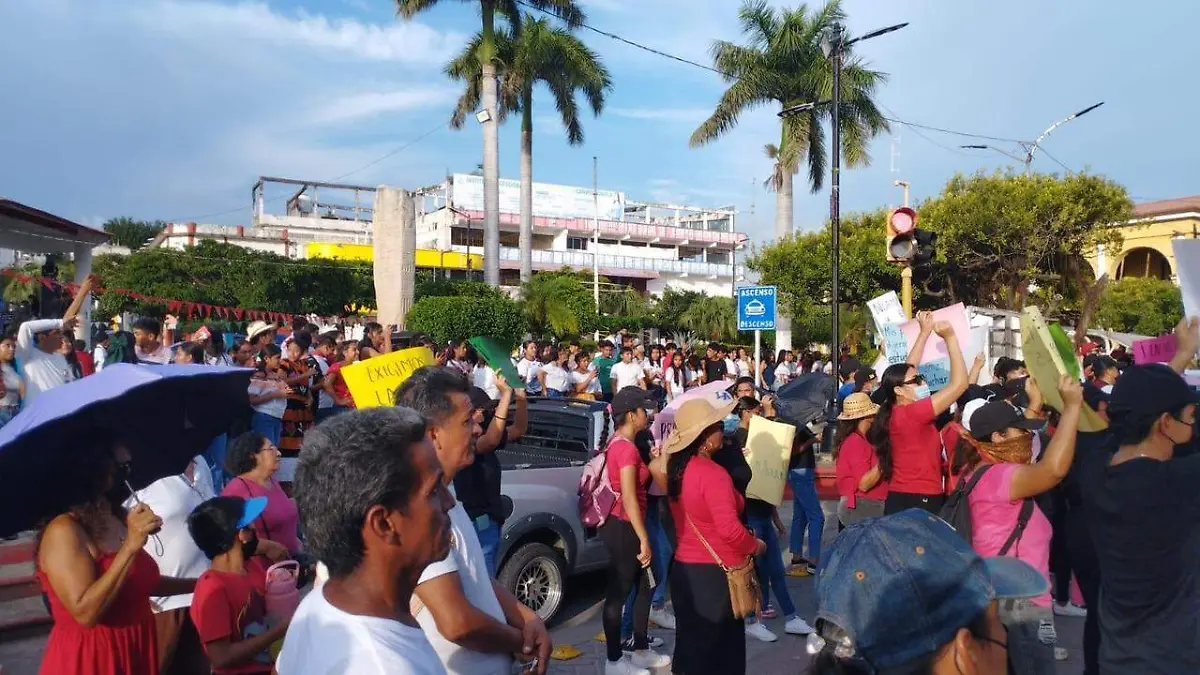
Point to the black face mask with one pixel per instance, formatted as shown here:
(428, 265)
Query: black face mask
(249, 548)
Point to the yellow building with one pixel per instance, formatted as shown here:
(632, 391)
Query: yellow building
(1147, 249)
(426, 259)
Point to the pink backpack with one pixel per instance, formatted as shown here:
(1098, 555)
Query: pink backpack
(596, 494)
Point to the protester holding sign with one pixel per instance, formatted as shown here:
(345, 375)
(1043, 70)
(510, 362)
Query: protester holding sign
(905, 435)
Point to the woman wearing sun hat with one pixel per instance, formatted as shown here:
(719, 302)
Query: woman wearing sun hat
(907, 594)
(706, 508)
(860, 485)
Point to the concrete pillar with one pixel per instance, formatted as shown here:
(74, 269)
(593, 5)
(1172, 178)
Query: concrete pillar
(83, 268)
(395, 243)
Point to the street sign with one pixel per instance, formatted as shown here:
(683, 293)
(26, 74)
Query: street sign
(756, 307)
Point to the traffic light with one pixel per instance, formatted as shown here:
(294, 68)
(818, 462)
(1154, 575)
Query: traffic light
(901, 226)
(907, 244)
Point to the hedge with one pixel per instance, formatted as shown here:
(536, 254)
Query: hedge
(446, 318)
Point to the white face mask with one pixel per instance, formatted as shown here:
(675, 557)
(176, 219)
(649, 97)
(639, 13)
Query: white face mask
(1107, 389)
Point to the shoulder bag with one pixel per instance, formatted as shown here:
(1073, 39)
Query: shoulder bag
(745, 595)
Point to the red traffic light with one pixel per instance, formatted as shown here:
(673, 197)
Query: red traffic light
(902, 221)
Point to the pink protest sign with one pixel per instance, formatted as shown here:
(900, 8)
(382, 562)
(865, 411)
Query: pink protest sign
(1157, 350)
(935, 347)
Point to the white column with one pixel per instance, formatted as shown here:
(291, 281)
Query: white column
(83, 268)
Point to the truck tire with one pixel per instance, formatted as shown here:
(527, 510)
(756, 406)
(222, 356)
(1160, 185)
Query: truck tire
(536, 574)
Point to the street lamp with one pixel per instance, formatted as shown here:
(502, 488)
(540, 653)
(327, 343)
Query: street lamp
(1030, 148)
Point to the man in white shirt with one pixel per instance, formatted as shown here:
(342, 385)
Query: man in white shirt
(529, 368)
(627, 373)
(476, 626)
(38, 343)
(147, 335)
(373, 501)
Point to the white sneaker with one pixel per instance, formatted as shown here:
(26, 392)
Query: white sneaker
(1060, 654)
(1046, 632)
(663, 618)
(758, 631)
(1070, 609)
(648, 658)
(623, 667)
(797, 626)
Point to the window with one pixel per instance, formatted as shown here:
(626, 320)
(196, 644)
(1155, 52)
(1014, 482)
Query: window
(461, 236)
(608, 242)
(577, 244)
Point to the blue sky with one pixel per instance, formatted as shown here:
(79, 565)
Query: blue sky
(171, 108)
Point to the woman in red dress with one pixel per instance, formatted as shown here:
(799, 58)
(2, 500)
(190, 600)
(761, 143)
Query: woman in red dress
(96, 576)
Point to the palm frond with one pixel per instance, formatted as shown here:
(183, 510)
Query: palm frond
(407, 9)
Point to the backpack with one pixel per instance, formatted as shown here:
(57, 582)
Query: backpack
(957, 512)
(596, 494)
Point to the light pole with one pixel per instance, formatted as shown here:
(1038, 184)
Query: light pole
(1031, 148)
(834, 46)
(906, 273)
(596, 238)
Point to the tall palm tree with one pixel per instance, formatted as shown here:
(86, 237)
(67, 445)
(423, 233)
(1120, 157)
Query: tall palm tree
(782, 65)
(487, 55)
(781, 183)
(542, 53)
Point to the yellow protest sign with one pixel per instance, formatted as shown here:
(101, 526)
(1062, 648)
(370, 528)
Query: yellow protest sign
(374, 382)
(768, 449)
(1046, 367)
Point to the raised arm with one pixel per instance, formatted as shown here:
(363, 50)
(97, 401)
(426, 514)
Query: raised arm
(494, 435)
(925, 321)
(1034, 479)
(958, 370)
(85, 289)
(1187, 341)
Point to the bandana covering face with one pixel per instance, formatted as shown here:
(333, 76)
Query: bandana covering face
(1018, 450)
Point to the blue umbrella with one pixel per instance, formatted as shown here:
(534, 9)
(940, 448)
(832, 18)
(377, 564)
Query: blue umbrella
(166, 415)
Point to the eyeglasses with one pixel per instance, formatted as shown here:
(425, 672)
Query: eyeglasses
(917, 379)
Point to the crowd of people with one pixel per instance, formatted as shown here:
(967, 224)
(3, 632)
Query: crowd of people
(395, 514)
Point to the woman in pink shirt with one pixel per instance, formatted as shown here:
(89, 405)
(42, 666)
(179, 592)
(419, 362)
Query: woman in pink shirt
(859, 481)
(1000, 483)
(253, 461)
(706, 508)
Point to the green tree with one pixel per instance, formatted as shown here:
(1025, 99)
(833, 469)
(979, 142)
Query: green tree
(999, 232)
(487, 55)
(446, 318)
(1140, 305)
(670, 307)
(782, 65)
(558, 305)
(133, 234)
(711, 318)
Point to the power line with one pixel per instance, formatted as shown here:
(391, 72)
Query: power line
(920, 133)
(949, 131)
(368, 165)
(1056, 160)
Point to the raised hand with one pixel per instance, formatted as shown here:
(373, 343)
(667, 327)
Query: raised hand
(1070, 389)
(140, 524)
(943, 329)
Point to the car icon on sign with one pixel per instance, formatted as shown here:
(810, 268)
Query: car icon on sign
(755, 308)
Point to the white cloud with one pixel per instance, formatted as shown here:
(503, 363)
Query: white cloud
(372, 104)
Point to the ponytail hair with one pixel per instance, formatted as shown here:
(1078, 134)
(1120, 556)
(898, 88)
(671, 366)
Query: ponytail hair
(845, 429)
(880, 434)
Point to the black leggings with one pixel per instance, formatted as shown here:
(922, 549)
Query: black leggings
(902, 501)
(624, 573)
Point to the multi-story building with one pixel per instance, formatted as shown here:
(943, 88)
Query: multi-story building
(642, 245)
(1146, 250)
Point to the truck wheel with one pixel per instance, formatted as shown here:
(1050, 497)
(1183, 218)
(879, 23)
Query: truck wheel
(535, 573)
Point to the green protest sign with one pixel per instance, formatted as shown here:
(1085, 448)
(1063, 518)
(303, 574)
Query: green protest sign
(499, 358)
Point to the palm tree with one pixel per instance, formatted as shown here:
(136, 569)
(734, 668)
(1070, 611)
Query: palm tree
(781, 182)
(487, 55)
(712, 317)
(782, 65)
(543, 299)
(542, 53)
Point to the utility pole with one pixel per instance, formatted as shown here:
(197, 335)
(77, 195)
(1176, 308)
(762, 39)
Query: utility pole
(906, 274)
(596, 237)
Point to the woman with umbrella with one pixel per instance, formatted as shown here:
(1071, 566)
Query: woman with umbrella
(96, 575)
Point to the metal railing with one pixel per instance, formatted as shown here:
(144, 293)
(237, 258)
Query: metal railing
(583, 260)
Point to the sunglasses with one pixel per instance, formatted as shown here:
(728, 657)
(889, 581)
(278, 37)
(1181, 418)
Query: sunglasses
(919, 379)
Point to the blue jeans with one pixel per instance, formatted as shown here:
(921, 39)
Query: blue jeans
(268, 426)
(806, 512)
(662, 552)
(215, 456)
(770, 567)
(553, 393)
(489, 540)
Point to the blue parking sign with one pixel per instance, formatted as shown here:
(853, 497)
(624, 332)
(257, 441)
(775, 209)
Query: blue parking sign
(756, 307)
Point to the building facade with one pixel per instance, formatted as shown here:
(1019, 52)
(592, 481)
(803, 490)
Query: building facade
(1146, 250)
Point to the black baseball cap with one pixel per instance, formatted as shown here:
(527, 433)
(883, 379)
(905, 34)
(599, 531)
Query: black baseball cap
(849, 367)
(630, 399)
(1145, 392)
(997, 416)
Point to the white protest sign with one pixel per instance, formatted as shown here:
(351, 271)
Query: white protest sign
(1187, 264)
(934, 362)
(886, 310)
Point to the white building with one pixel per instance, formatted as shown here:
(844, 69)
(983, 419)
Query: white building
(641, 245)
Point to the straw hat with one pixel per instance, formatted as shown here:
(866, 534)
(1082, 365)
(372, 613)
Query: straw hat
(692, 418)
(257, 328)
(857, 406)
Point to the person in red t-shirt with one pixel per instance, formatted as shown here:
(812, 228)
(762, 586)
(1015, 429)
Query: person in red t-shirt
(860, 485)
(905, 434)
(336, 383)
(625, 536)
(706, 508)
(228, 607)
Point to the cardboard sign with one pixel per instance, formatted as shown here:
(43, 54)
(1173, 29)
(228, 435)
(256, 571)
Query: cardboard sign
(374, 382)
(894, 343)
(1158, 350)
(1046, 367)
(934, 364)
(499, 359)
(886, 309)
(1187, 266)
(768, 449)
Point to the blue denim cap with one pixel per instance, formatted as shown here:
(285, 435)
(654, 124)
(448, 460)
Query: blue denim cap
(901, 586)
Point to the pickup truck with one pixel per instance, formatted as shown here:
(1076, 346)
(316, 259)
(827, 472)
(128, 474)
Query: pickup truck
(543, 542)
